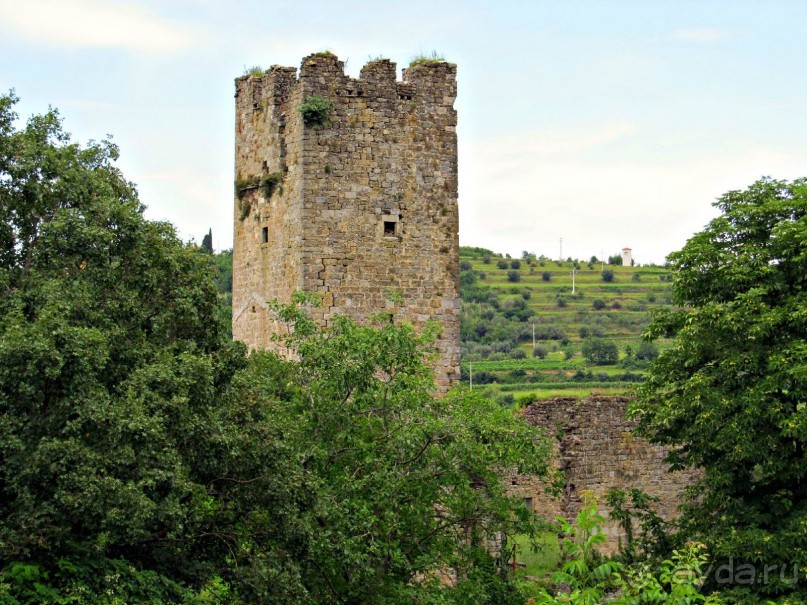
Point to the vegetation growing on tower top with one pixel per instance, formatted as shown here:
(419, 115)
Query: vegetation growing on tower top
(427, 59)
(316, 111)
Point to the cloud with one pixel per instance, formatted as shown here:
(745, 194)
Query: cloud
(701, 35)
(599, 202)
(92, 24)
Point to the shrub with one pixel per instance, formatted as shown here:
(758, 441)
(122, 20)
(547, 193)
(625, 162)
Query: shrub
(515, 264)
(540, 352)
(316, 111)
(271, 183)
(598, 304)
(616, 305)
(546, 276)
(486, 259)
(562, 302)
(502, 264)
(518, 354)
(600, 352)
(465, 265)
(608, 275)
(647, 351)
(514, 276)
(506, 400)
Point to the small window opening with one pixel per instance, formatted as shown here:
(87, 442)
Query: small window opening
(528, 504)
(253, 308)
(264, 235)
(391, 318)
(389, 228)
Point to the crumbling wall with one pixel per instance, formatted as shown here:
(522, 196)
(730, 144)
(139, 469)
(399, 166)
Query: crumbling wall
(597, 451)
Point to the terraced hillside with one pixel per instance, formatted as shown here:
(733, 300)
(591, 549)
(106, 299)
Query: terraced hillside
(586, 334)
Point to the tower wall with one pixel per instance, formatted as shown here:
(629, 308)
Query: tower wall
(368, 209)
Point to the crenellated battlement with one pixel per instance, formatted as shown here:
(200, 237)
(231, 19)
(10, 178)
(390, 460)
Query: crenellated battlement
(324, 74)
(360, 204)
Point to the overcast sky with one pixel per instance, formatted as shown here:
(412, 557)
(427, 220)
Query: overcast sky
(606, 123)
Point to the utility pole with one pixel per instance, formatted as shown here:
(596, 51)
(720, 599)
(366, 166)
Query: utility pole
(561, 251)
(533, 325)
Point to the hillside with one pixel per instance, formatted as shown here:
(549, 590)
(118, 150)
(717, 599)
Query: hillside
(586, 340)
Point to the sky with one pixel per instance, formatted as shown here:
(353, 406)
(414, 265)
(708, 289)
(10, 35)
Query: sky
(608, 124)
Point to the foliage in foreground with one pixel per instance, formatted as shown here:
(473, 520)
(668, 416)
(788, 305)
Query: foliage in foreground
(730, 395)
(587, 578)
(146, 458)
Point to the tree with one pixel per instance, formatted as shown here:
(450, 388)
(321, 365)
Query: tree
(113, 368)
(207, 242)
(608, 275)
(729, 395)
(408, 484)
(616, 259)
(599, 351)
(514, 275)
(647, 351)
(145, 458)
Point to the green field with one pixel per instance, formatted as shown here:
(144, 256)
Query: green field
(503, 307)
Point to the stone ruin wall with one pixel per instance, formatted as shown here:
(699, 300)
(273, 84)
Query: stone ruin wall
(368, 206)
(597, 451)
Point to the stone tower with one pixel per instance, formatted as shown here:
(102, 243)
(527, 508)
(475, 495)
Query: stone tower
(357, 208)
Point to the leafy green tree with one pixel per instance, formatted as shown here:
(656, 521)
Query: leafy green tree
(608, 275)
(113, 367)
(514, 275)
(599, 351)
(408, 484)
(144, 458)
(729, 394)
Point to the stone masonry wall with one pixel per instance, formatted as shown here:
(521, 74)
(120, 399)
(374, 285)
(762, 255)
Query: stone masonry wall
(597, 451)
(368, 209)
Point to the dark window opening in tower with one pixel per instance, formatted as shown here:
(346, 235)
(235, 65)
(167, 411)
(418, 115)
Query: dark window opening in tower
(389, 229)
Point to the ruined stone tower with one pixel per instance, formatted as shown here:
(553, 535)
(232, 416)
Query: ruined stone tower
(356, 208)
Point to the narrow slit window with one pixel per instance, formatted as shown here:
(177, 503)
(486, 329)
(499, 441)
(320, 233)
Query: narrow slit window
(264, 235)
(389, 228)
(528, 504)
